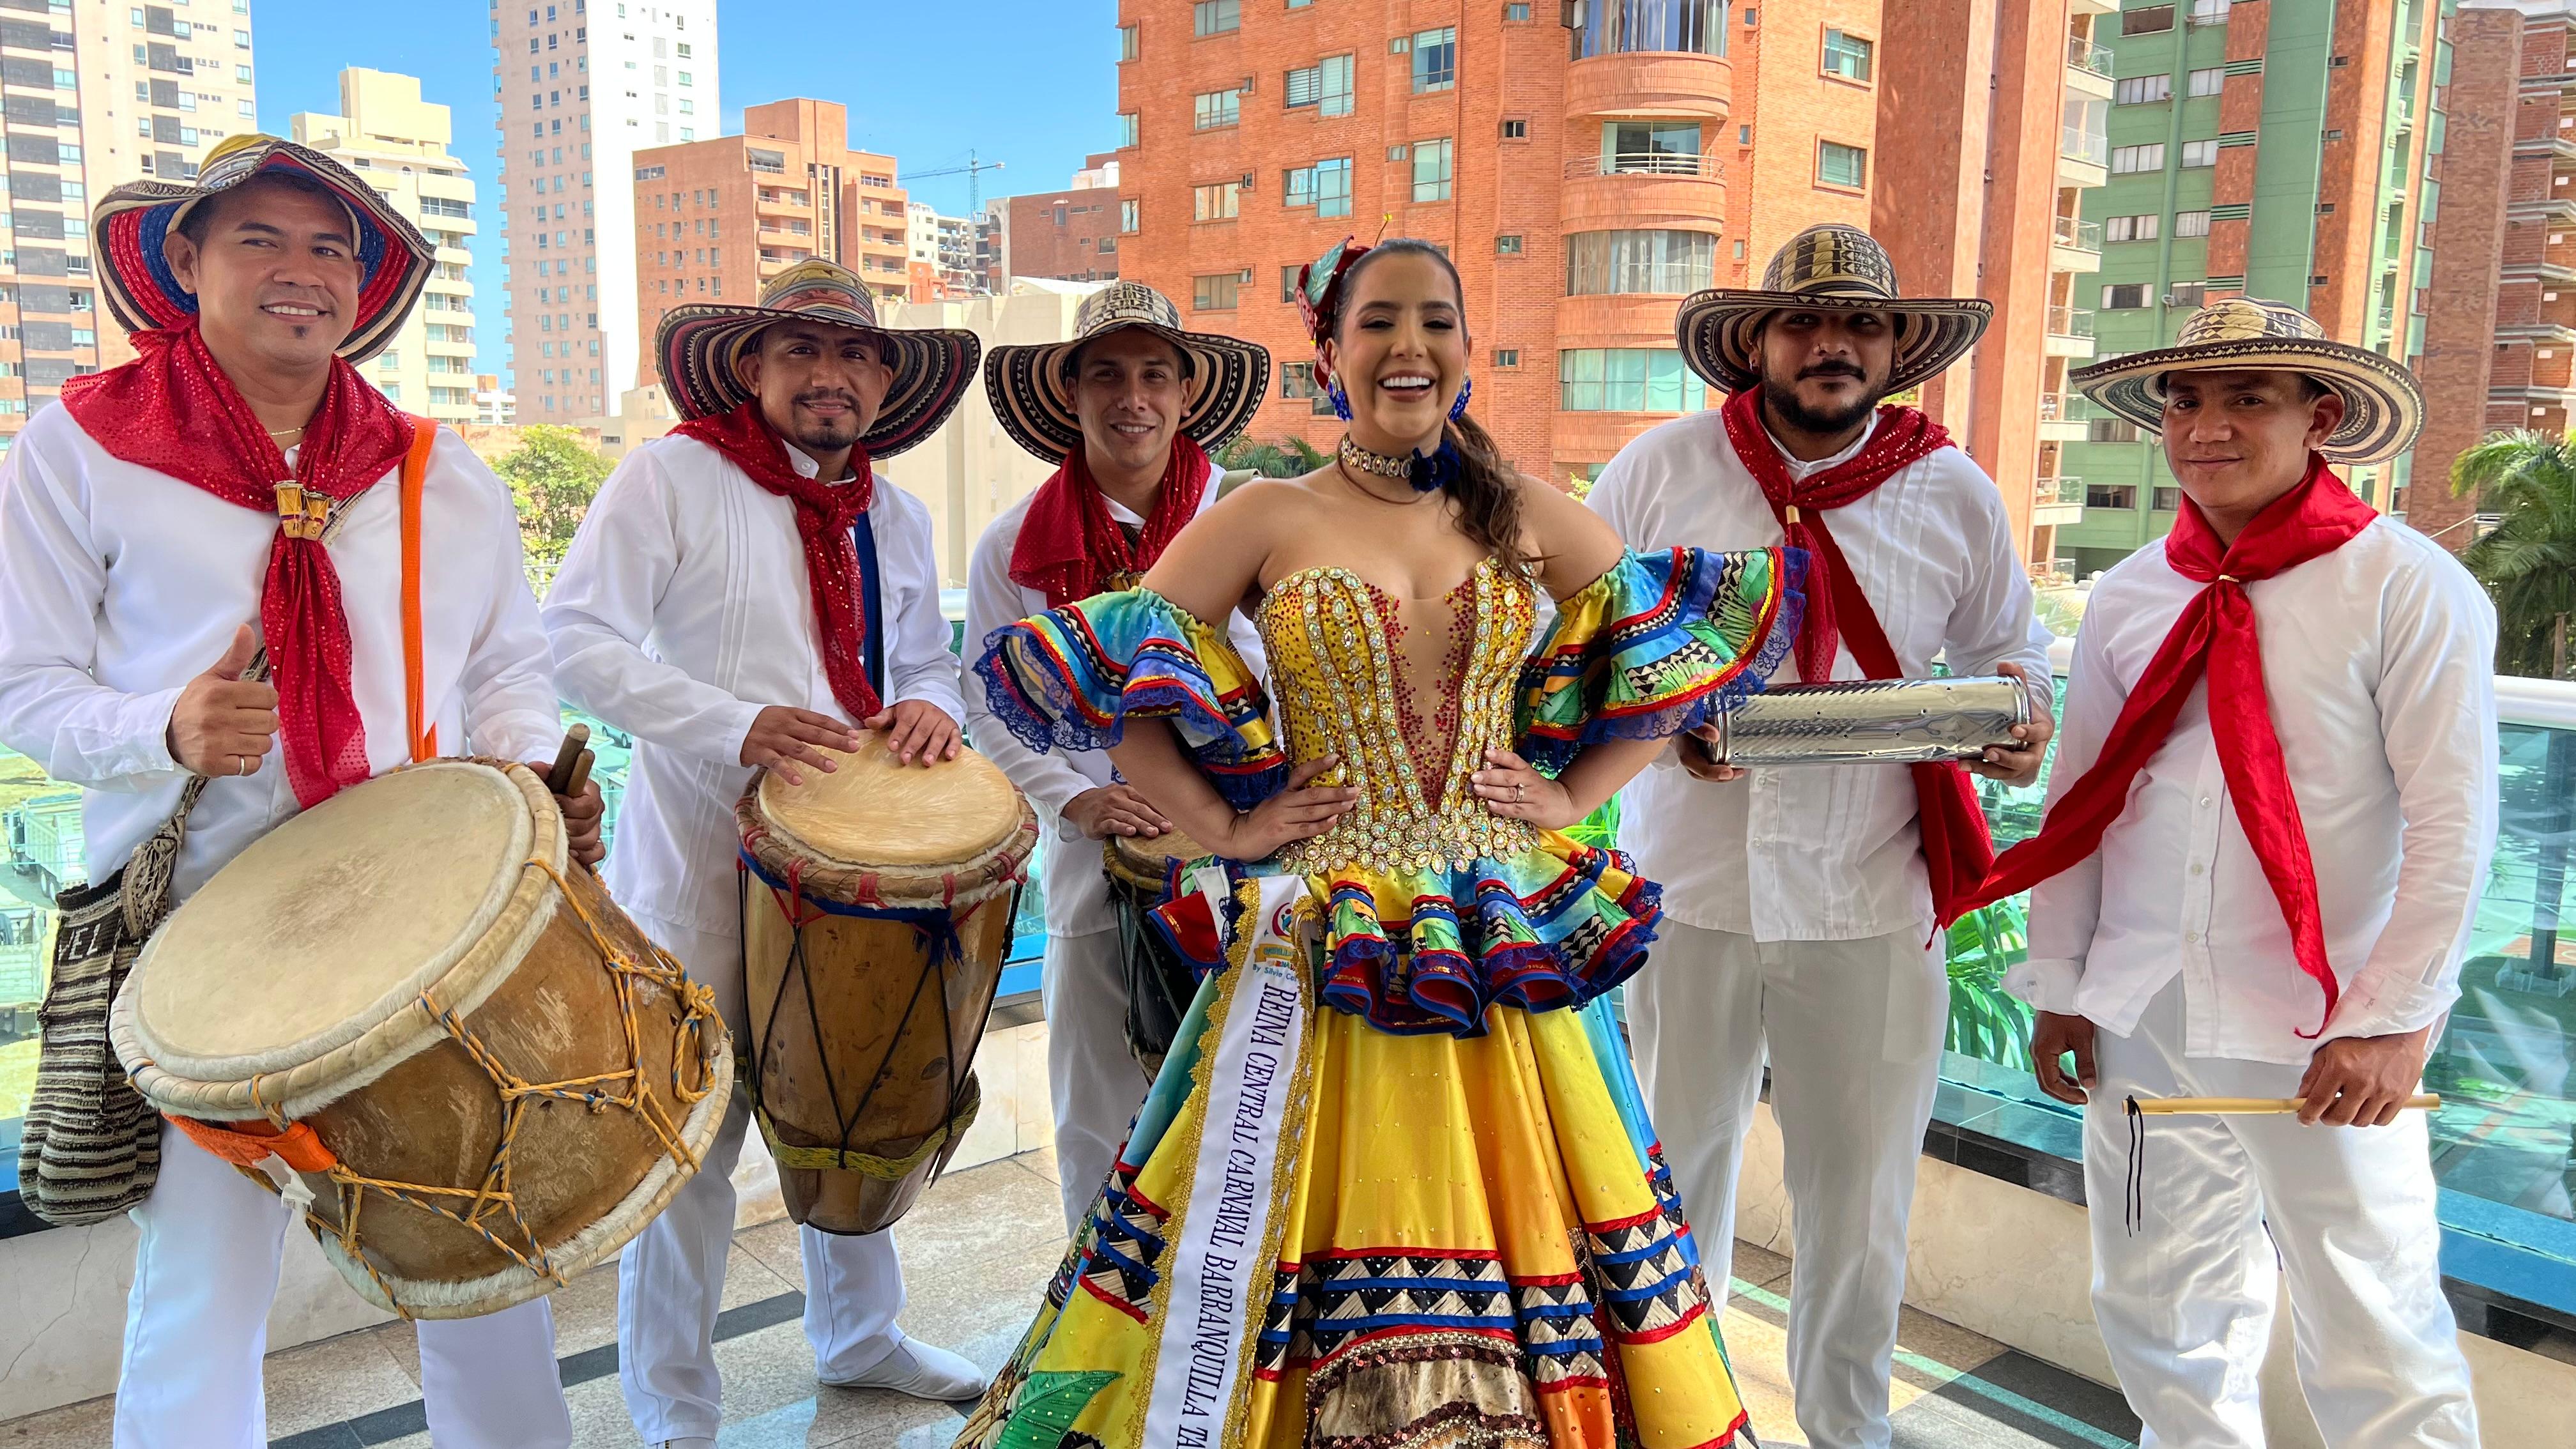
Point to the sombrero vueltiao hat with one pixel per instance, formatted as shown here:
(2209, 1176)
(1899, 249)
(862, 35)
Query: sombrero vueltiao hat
(2383, 408)
(1032, 386)
(1827, 266)
(134, 220)
(699, 350)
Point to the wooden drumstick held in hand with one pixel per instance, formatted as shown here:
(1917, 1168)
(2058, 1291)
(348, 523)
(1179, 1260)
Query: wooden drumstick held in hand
(581, 772)
(2247, 1106)
(559, 780)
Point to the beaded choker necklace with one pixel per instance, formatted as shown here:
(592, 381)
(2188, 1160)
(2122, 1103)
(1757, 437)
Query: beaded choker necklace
(1425, 472)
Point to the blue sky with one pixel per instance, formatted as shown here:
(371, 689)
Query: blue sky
(1031, 83)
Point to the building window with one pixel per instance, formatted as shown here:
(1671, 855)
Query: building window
(1325, 186)
(2191, 223)
(1127, 42)
(1435, 59)
(1507, 357)
(1431, 170)
(1841, 165)
(1670, 262)
(2111, 430)
(2127, 159)
(1127, 130)
(1127, 208)
(1847, 56)
(2199, 153)
(1297, 380)
(2209, 12)
(1516, 13)
(2131, 228)
(1665, 147)
(1325, 85)
(2187, 294)
(2143, 90)
(2149, 21)
(2166, 500)
(1216, 17)
(2121, 496)
(1216, 293)
(1693, 26)
(1507, 246)
(2209, 82)
(1218, 108)
(2124, 296)
(1627, 380)
(1288, 293)
(1515, 130)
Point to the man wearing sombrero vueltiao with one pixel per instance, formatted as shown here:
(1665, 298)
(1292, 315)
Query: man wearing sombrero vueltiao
(2268, 826)
(740, 593)
(142, 560)
(1802, 907)
(1128, 409)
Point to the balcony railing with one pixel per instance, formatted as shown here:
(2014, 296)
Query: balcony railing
(2093, 148)
(2086, 54)
(2070, 321)
(2061, 492)
(1646, 163)
(2053, 407)
(2076, 232)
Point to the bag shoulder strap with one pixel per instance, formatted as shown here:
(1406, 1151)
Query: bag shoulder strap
(415, 476)
(1232, 479)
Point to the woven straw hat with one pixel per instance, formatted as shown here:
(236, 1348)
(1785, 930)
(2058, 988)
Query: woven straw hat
(1830, 266)
(1032, 386)
(132, 221)
(2383, 408)
(699, 350)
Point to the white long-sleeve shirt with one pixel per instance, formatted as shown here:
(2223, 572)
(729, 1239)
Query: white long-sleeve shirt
(1077, 895)
(2378, 661)
(119, 585)
(682, 611)
(1819, 852)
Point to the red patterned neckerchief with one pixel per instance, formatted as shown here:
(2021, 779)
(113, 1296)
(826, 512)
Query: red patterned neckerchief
(1957, 846)
(2216, 636)
(173, 410)
(825, 513)
(1069, 546)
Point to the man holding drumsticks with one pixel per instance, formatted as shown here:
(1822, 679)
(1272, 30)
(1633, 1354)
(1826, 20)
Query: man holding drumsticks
(141, 524)
(2268, 825)
(743, 594)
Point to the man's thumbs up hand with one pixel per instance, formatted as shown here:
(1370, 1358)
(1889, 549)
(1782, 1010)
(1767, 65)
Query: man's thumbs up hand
(222, 724)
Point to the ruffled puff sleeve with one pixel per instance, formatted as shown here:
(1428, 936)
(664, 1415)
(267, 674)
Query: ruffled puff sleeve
(1071, 679)
(1662, 643)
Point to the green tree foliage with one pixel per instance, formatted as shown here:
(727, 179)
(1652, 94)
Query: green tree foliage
(1287, 458)
(2528, 563)
(553, 475)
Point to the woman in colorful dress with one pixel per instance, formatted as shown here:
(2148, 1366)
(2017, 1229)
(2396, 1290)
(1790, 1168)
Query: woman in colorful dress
(1394, 1186)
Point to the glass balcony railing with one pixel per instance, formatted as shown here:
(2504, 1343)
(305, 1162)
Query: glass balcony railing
(2070, 321)
(2084, 53)
(2093, 148)
(2076, 232)
(2052, 407)
(2058, 492)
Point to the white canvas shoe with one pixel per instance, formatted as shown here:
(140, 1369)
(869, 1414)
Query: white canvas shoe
(921, 1371)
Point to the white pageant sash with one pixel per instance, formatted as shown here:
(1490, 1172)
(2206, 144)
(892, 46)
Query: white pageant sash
(1220, 1279)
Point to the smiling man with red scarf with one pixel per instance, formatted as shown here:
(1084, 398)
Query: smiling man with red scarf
(145, 555)
(1802, 906)
(1127, 409)
(2268, 826)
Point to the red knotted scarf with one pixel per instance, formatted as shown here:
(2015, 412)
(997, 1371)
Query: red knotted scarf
(173, 410)
(1069, 546)
(2216, 636)
(825, 513)
(1957, 848)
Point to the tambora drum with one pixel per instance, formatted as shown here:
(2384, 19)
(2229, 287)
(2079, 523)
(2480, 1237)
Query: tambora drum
(408, 1011)
(877, 903)
(1143, 874)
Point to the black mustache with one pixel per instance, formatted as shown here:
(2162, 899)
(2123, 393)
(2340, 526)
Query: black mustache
(1833, 369)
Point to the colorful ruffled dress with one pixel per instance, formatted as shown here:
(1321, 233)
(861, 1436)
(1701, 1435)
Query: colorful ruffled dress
(1394, 1187)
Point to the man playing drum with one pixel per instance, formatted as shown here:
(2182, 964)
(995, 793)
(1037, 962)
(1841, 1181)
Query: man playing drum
(144, 560)
(1128, 409)
(741, 593)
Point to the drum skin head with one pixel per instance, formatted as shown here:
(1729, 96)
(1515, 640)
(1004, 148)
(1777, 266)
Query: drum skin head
(874, 811)
(1149, 857)
(311, 930)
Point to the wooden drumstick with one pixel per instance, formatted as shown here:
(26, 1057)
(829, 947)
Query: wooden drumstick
(2248, 1106)
(580, 773)
(559, 779)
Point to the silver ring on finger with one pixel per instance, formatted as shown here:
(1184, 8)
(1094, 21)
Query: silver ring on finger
(248, 763)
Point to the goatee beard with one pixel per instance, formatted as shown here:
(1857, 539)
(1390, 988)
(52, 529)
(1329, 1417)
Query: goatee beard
(828, 438)
(1786, 406)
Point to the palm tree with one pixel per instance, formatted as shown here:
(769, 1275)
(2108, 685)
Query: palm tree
(1287, 458)
(2528, 563)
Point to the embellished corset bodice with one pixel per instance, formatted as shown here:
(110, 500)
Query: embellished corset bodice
(1410, 694)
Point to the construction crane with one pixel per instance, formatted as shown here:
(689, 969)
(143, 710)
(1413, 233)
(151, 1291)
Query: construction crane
(973, 171)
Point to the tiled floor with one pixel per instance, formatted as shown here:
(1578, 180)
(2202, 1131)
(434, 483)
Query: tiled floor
(977, 1251)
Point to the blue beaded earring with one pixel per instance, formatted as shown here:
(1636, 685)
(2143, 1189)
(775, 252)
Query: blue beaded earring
(1466, 390)
(1341, 399)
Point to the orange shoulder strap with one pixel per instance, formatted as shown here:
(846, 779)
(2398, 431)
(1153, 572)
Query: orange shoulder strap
(415, 474)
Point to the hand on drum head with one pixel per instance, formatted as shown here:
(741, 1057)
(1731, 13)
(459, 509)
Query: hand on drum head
(223, 724)
(582, 812)
(1302, 810)
(917, 732)
(782, 738)
(1115, 810)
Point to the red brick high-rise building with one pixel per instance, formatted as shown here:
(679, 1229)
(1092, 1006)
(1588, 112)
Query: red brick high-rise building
(1068, 236)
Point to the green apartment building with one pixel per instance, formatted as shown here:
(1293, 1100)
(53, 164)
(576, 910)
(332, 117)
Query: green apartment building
(2283, 149)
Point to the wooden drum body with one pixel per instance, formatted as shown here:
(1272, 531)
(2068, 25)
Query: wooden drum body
(1161, 981)
(408, 1011)
(877, 907)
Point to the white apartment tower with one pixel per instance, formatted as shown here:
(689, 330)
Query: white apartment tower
(579, 87)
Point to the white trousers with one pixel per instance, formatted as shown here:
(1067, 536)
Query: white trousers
(196, 1328)
(1097, 1083)
(2185, 1303)
(1852, 1030)
(670, 1284)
